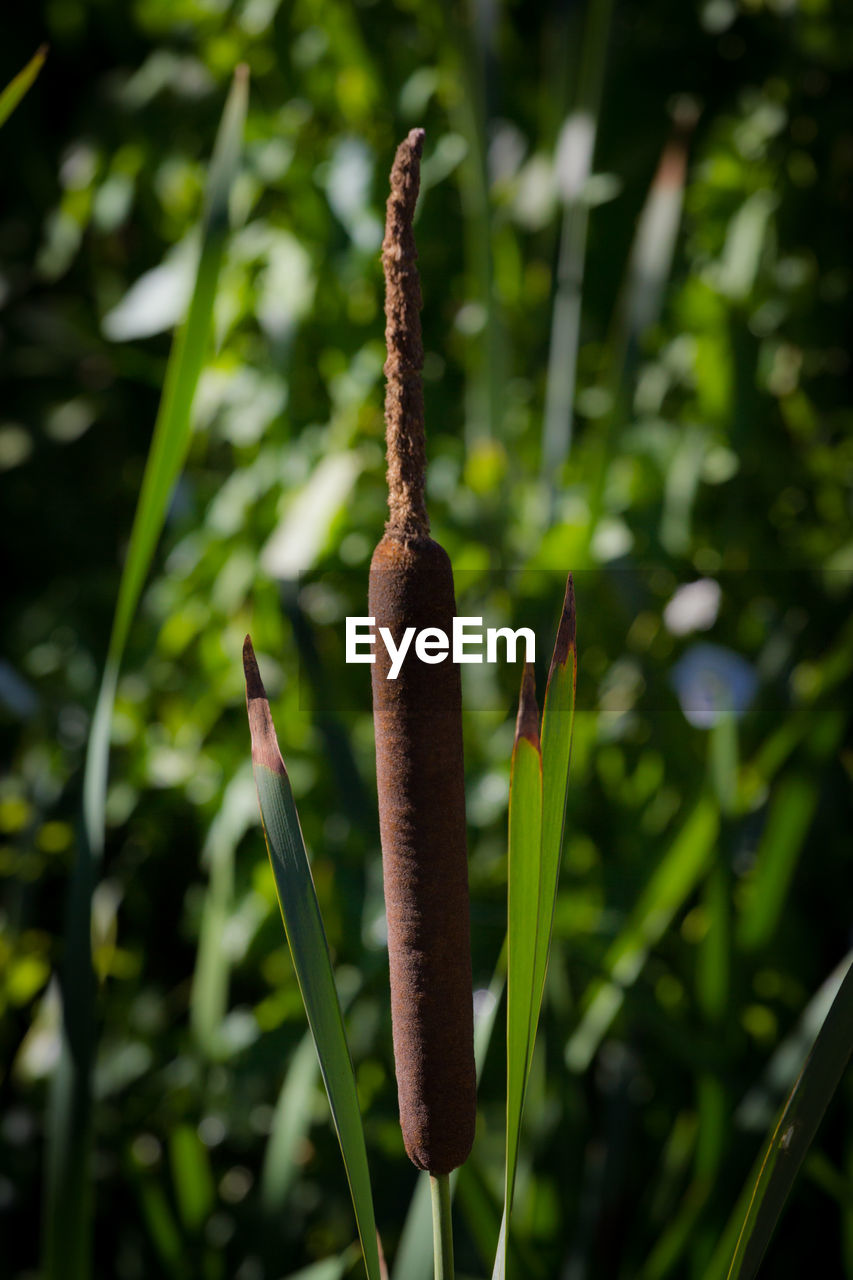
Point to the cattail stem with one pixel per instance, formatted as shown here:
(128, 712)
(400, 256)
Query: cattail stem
(442, 1226)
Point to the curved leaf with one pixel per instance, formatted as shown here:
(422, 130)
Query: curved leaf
(306, 937)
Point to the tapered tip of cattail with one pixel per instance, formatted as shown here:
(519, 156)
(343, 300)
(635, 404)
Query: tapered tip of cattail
(566, 632)
(404, 399)
(264, 742)
(527, 724)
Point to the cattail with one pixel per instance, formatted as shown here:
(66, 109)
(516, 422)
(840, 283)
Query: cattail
(419, 763)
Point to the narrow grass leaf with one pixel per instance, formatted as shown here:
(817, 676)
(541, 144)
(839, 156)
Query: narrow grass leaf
(558, 719)
(764, 1098)
(191, 1176)
(19, 86)
(677, 875)
(161, 1227)
(653, 250)
(67, 1244)
(792, 809)
(791, 812)
(767, 1190)
(309, 949)
(327, 1268)
(211, 977)
(170, 440)
(524, 867)
(537, 806)
(573, 166)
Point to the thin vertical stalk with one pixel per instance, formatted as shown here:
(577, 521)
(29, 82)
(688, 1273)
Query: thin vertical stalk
(442, 1227)
(67, 1229)
(565, 328)
(485, 360)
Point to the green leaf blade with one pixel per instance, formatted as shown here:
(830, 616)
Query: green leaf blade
(524, 870)
(309, 950)
(20, 85)
(538, 787)
(558, 718)
(793, 1134)
(67, 1226)
(169, 443)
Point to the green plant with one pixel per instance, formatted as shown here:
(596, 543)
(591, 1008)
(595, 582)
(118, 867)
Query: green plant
(68, 1215)
(699, 929)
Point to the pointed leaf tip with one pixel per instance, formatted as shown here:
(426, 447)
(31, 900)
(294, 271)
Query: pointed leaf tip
(527, 724)
(566, 632)
(265, 749)
(254, 683)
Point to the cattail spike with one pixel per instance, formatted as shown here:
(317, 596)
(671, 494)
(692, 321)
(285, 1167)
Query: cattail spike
(404, 397)
(419, 756)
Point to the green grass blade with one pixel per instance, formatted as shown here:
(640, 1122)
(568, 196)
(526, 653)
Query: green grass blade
(767, 1188)
(523, 881)
(161, 1226)
(679, 871)
(209, 992)
(538, 785)
(169, 443)
(558, 717)
(68, 1214)
(566, 318)
(191, 1176)
(20, 85)
(764, 1098)
(791, 812)
(309, 949)
(327, 1268)
(792, 809)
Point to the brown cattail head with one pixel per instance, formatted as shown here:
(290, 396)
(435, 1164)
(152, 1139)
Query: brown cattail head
(419, 760)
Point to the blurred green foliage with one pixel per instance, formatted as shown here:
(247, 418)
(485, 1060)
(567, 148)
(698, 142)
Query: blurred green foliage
(711, 442)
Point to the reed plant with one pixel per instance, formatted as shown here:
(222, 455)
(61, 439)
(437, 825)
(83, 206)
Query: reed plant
(418, 728)
(664, 915)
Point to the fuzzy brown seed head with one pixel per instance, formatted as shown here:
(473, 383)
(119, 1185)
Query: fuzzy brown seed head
(420, 780)
(419, 763)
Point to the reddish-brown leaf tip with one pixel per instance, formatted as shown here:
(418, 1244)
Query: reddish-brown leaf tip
(527, 724)
(566, 632)
(264, 742)
(254, 683)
